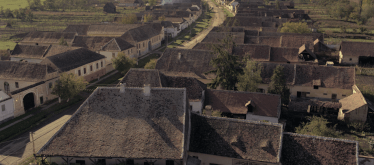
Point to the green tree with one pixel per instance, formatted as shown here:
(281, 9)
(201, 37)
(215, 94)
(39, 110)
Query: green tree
(122, 63)
(278, 84)
(161, 18)
(277, 4)
(227, 69)
(317, 126)
(148, 17)
(295, 27)
(68, 86)
(151, 64)
(62, 41)
(251, 77)
(152, 2)
(129, 19)
(50, 5)
(8, 13)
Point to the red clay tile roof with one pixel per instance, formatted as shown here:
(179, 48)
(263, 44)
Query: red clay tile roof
(356, 49)
(284, 54)
(234, 102)
(126, 125)
(308, 150)
(256, 52)
(235, 138)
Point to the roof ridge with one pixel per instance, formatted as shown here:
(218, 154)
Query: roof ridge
(321, 137)
(115, 40)
(270, 94)
(49, 48)
(241, 120)
(106, 44)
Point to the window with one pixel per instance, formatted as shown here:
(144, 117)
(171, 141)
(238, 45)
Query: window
(302, 94)
(50, 85)
(79, 72)
(333, 96)
(101, 64)
(81, 162)
(344, 95)
(128, 51)
(101, 161)
(114, 55)
(130, 162)
(6, 87)
(260, 90)
(350, 59)
(315, 87)
(41, 100)
(143, 45)
(91, 68)
(97, 65)
(169, 162)
(131, 50)
(3, 107)
(17, 85)
(84, 70)
(146, 163)
(324, 93)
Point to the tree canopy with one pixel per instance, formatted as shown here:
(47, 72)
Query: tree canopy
(317, 126)
(129, 19)
(226, 65)
(69, 85)
(278, 85)
(151, 64)
(62, 42)
(251, 77)
(122, 63)
(295, 27)
(148, 17)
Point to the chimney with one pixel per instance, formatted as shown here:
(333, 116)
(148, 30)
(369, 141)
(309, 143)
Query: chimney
(179, 56)
(147, 89)
(122, 88)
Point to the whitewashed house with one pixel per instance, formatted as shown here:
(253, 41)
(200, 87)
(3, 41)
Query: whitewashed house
(6, 107)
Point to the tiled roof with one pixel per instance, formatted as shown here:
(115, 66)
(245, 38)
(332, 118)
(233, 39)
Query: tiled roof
(110, 30)
(331, 77)
(216, 37)
(191, 63)
(235, 138)
(305, 149)
(256, 52)
(352, 102)
(140, 33)
(356, 49)
(80, 29)
(292, 41)
(117, 44)
(284, 54)
(91, 43)
(47, 37)
(140, 77)
(234, 102)
(73, 59)
(273, 41)
(126, 125)
(29, 51)
(24, 71)
(57, 49)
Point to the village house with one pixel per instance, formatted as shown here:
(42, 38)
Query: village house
(6, 107)
(307, 149)
(354, 107)
(229, 141)
(245, 105)
(186, 63)
(109, 7)
(29, 84)
(171, 29)
(195, 89)
(355, 53)
(37, 53)
(47, 38)
(81, 62)
(125, 125)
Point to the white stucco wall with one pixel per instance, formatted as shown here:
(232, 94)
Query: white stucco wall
(9, 107)
(197, 106)
(32, 60)
(365, 160)
(347, 59)
(250, 116)
(12, 84)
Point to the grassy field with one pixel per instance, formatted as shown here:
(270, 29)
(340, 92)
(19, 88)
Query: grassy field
(14, 4)
(4, 45)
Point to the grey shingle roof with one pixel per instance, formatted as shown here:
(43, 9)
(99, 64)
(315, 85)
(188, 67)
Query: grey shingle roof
(126, 125)
(29, 51)
(73, 59)
(24, 71)
(284, 54)
(140, 33)
(192, 63)
(80, 29)
(255, 52)
(116, 44)
(234, 102)
(48, 37)
(91, 43)
(305, 149)
(355, 49)
(216, 37)
(235, 138)
(113, 30)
